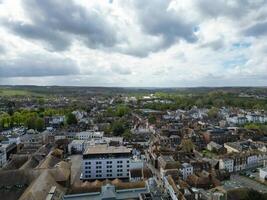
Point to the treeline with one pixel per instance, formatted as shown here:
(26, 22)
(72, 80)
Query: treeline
(208, 100)
(28, 118)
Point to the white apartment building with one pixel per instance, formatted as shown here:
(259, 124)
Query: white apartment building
(88, 135)
(108, 162)
(186, 170)
(252, 160)
(227, 164)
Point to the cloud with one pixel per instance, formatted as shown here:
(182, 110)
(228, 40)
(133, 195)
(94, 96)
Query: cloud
(229, 8)
(58, 23)
(133, 42)
(37, 65)
(158, 19)
(2, 49)
(121, 70)
(258, 29)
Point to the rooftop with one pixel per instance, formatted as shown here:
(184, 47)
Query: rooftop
(105, 149)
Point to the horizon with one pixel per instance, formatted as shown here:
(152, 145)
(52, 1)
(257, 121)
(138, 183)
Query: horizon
(133, 43)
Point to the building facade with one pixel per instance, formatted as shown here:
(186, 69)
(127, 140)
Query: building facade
(108, 162)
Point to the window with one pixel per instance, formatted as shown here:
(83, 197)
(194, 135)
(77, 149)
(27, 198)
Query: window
(119, 161)
(119, 166)
(98, 162)
(87, 172)
(128, 165)
(98, 171)
(109, 166)
(98, 167)
(109, 162)
(88, 163)
(119, 174)
(109, 170)
(88, 167)
(128, 161)
(119, 170)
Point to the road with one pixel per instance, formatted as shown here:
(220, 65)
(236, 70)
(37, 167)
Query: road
(246, 182)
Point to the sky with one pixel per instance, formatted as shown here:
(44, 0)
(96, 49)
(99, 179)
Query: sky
(133, 43)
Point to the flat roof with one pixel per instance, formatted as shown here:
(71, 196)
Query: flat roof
(105, 149)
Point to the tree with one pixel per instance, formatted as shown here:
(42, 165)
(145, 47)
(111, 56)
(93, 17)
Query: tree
(71, 119)
(118, 128)
(213, 112)
(127, 134)
(30, 122)
(187, 145)
(151, 119)
(39, 124)
(122, 110)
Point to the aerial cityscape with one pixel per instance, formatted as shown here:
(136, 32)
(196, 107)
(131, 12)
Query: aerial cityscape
(133, 100)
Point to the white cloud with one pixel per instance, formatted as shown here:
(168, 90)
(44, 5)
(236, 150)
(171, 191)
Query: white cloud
(153, 43)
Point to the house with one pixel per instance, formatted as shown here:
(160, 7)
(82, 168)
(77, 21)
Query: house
(237, 147)
(226, 164)
(219, 136)
(186, 170)
(263, 174)
(167, 162)
(213, 146)
(76, 146)
(88, 135)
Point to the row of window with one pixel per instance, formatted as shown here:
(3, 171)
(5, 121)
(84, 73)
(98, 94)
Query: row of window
(108, 171)
(107, 162)
(100, 175)
(108, 166)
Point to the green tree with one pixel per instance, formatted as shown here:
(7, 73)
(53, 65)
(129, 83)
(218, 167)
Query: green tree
(39, 124)
(127, 134)
(213, 112)
(71, 119)
(118, 128)
(122, 110)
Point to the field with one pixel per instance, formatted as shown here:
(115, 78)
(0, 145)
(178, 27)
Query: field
(16, 92)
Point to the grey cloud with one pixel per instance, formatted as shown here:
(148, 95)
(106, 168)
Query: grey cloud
(156, 20)
(257, 29)
(234, 9)
(37, 65)
(55, 39)
(55, 21)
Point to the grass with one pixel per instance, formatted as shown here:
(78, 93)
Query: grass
(16, 92)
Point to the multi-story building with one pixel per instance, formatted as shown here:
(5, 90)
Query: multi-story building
(186, 170)
(227, 164)
(88, 135)
(108, 162)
